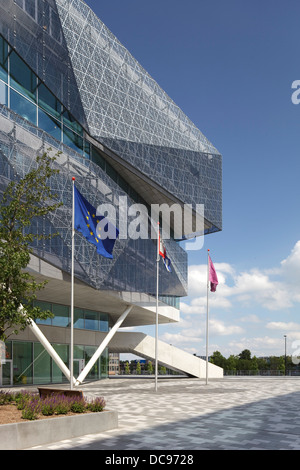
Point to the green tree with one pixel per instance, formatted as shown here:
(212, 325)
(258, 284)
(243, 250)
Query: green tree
(138, 368)
(277, 363)
(217, 359)
(245, 354)
(127, 368)
(231, 363)
(22, 202)
(262, 364)
(150, 367)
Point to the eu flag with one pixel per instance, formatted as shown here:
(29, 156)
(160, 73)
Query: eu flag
(86, 222)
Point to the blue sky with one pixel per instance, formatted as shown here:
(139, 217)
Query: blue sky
(230, 67)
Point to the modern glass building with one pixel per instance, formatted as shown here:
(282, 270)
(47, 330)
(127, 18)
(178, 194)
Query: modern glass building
(68, 85)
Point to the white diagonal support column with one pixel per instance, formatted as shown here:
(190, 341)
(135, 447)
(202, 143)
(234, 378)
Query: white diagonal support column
(102, 346)
(49, 348)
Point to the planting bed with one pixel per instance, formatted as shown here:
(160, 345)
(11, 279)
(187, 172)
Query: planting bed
(50, 419)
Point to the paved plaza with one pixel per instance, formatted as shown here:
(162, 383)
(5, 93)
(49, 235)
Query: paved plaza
(187, 414)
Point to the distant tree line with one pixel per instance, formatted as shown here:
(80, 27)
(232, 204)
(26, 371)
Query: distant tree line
(136, 367)
(244, 362)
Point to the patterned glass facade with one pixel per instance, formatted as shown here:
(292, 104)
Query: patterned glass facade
(66, 83)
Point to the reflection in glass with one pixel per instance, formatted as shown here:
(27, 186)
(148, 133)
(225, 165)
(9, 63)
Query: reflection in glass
(78, 351)
(63, 351)
(78, 318)
(22, 358)
(103, 322)
(22, 106)
(73, 140)
(43, 306)
(91, 320)
(49, 124)
(22, 77)
(3, 59)
(48, 102)
(61, 315)
(69, 120)
(3, 93)
(42, 365)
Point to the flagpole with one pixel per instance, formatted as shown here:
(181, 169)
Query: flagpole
(207, 296)
(72, 289)
(156, 318)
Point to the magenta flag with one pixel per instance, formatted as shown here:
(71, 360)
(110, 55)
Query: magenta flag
(213, 278)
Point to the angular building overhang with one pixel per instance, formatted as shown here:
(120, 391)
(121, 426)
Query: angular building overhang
(153, 193)
(129, 113)
(112, 302)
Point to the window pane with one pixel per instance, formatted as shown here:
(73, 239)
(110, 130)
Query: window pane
(3, 93)
(63, 352)
(61, 317)
(48, 102)
(55, 26)
(72, 140)
(91, 320)
(42, 365)
(43, 306)
(44, 16)
(97, 158)
(49, 124)
(104, 363)
(22, 78)
(30, 7)
(78, 352)
(22, 106)
(86, 149)
(103, 322)
(22, 362)
(8, 350)
(94, 373)
(72, 123)
(78, 318)
(3, 59)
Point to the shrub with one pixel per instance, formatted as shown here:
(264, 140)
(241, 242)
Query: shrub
(48, 406)
(63, 405)
(24, 397)
(31, 409)
(78, 406)
(32, 405)
(5, 397)
(97, 404)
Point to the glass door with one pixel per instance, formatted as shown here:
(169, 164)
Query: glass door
(78, 367)
(6, 376)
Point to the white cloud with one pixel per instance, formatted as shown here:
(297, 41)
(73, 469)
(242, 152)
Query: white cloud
(282, 326)
(273, 289)
(265, 291)
(250, 319)
(259, 346)
(290, 267)
(217, 327)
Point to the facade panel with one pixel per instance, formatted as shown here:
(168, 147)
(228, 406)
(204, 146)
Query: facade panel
(67, 84)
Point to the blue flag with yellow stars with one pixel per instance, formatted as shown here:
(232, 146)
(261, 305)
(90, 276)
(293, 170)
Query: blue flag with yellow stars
(90, 225)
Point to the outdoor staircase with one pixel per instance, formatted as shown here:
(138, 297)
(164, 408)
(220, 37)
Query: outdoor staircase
(143, 345)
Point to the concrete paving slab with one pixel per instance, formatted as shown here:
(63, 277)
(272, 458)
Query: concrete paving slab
(241, 413)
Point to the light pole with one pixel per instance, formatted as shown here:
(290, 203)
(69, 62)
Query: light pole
(284, 354)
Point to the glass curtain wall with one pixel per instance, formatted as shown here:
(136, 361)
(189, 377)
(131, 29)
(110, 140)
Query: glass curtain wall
(83, 319)
(32, 365)
(25, 94)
